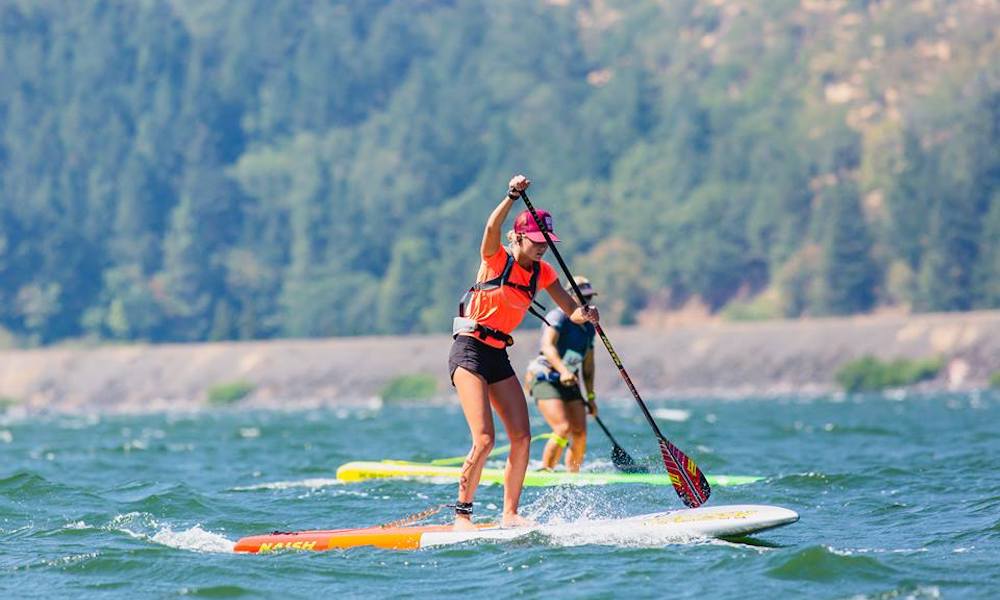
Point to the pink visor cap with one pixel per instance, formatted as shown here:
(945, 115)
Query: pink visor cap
(526, 224)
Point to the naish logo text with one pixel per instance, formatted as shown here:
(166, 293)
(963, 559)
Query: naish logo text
(266, 547)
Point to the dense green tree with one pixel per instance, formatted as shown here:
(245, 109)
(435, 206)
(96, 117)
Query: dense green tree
(183, 283)
(848, 271)
(911, 200)
(986, 274)
(325, 302)
(188, 170)
(714, 261)
(404, 292)
(127, 309)
(945, 278)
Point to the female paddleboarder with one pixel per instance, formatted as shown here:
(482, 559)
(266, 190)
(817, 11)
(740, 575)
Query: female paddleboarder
(480, 369)
(553, 381)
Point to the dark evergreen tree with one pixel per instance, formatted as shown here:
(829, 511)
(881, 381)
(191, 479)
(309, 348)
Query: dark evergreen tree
(986, 275)
(849, 272)
(911, 200)
(405, 292)
(945, 278)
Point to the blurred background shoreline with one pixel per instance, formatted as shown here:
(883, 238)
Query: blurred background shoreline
(803, 356)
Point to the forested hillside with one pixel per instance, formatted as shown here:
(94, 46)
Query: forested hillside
(232, 169)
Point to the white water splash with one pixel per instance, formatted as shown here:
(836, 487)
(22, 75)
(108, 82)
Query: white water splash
(195, 539)
(571, 506)
(143, 526)
(854, 551)
(619, 534)
(932, 592)
(677, 415)
(133, 524)
(71, 559)
(312, 484)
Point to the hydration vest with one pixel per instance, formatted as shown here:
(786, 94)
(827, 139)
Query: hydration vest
(462, 324)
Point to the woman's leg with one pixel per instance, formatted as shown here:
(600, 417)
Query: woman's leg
(473, 394)
(576, 413)
(554, 412)
(508, 400)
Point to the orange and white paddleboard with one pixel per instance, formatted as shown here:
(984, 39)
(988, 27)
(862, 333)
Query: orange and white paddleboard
(715, 521)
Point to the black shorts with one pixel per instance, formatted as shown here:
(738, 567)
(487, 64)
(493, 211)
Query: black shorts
(554, 390)
(475, 356)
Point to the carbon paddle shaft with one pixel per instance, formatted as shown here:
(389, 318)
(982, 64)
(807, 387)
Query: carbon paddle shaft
(688, 480)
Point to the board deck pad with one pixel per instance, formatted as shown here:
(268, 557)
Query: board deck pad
(704, 522)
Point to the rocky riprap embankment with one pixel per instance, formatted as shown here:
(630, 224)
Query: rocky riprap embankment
(715, 358)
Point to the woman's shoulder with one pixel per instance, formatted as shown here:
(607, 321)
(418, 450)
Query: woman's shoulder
(496, 261)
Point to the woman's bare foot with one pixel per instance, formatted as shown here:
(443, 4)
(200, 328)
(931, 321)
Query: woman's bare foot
(513, 520)
(463, 523)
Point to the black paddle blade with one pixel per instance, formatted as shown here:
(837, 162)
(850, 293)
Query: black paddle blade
(687, 478)
(624, 463)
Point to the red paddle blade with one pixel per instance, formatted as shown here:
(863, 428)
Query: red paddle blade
(687, 478)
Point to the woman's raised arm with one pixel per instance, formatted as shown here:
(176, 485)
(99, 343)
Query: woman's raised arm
(492, 235)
